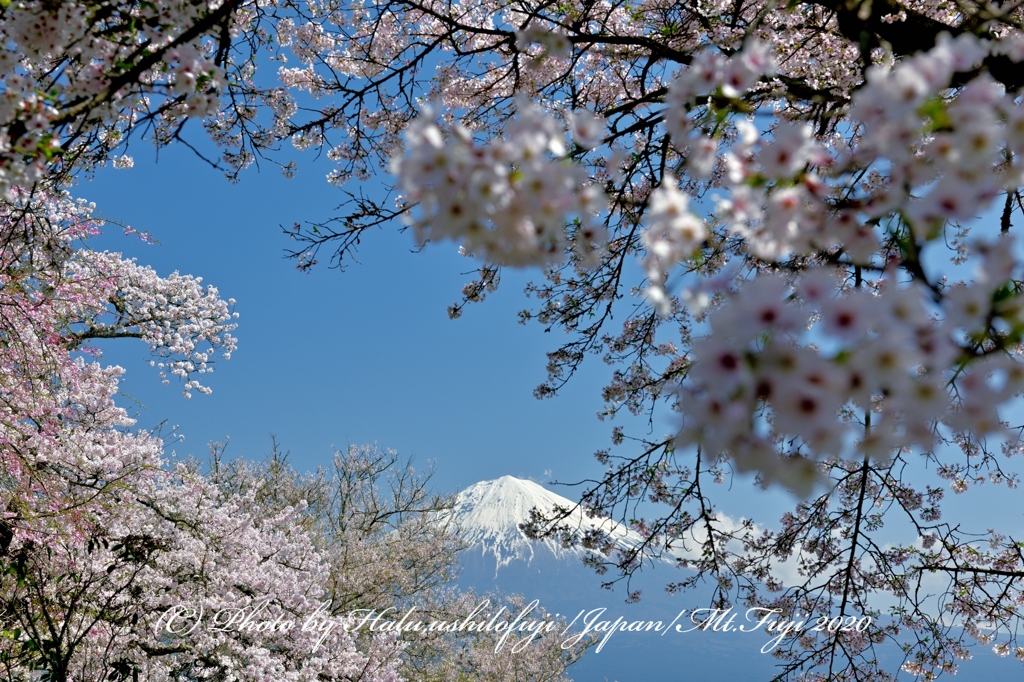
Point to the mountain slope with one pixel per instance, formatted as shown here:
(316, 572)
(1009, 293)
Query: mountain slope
(489, 513)
(500, 557)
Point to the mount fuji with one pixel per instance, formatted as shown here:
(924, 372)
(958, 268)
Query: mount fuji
(499, 557)
(488, 515)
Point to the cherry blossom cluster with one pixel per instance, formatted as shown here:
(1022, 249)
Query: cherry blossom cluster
(788, 194)
(58, 409)
(61, 67)
(941, 160)
(270, 560)
(508, 200)
(951, 154)
(176, 315)
(90, 507)
(673, 235)
(167, 546)
(554, 43)
(932, 159)
(796, 369)
(710, 73)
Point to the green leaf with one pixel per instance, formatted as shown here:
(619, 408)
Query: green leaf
(934, 110)
(1003, 293)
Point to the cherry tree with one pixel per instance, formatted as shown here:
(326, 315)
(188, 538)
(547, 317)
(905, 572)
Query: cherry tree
(169, 579)
(61, 429)
(791, 225)
(110, 556)
(391, 549)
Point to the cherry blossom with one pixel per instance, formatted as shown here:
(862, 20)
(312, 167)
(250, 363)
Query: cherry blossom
(788, 228)
(507, 201)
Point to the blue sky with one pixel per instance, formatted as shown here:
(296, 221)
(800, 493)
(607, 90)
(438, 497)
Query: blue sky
(334, 358)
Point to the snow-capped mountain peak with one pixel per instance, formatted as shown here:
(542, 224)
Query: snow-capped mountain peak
(488, 515)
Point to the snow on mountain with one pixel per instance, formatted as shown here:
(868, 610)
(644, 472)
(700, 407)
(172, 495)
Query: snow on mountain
(489, 513)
